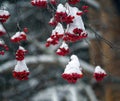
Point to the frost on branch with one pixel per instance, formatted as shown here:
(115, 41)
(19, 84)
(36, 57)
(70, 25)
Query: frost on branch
(63, 50)
(2, 30)
(21, 71)
(19, 36)
(72, 71)
(4, 15)
(99, 73)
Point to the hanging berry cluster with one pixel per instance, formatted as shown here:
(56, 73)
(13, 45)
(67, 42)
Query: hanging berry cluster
(43, 3)
(4, 15)
(99, 73)
(19, 36)
(73, 30)
(21, 71)
(73, 71)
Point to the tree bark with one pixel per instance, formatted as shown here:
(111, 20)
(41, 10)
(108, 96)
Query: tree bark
(110, 23)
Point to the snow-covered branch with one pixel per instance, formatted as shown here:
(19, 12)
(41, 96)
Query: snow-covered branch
(46, 59)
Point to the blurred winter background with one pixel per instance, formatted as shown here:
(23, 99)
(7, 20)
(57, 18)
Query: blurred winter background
(45, 82)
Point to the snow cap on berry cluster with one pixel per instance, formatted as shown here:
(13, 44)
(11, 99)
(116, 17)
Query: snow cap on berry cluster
(2, 42)
(73, 66)
(64, 45)
(99, 73)
(78, 22)
(21, 66)
(75, 30)
(22, 48)
(21, 71)
(57, 33)
(58, 29)
(72, 71)
(99, 70)
(2, 30)
(60, 8)
(4, 15)
(63, 50)
(19, 36)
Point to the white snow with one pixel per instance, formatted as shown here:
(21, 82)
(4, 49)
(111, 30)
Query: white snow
(51, 20)
(49, 39)
(2, 42)
(59, 29)
(71, 10)
(21, 66)
(73, 66)
(17, 35)
(21, 48)
(2, 29)
(22, 33)
(4, 12)
(35, 1)
(61, 8)
(77, 22)
(64, 45)
(99, 70)
(58, 50)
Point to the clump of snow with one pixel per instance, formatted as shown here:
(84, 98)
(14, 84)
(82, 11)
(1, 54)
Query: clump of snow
(64, 45)
(4, 12)
(61, 8)
(2, 29)
(71, 10)
(2, 42)
(22, 48)
(58, 29)
(99, 70)
(73, 66)
(21, 66)
(18, 34)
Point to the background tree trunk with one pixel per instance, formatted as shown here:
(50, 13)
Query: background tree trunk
(110, 30)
